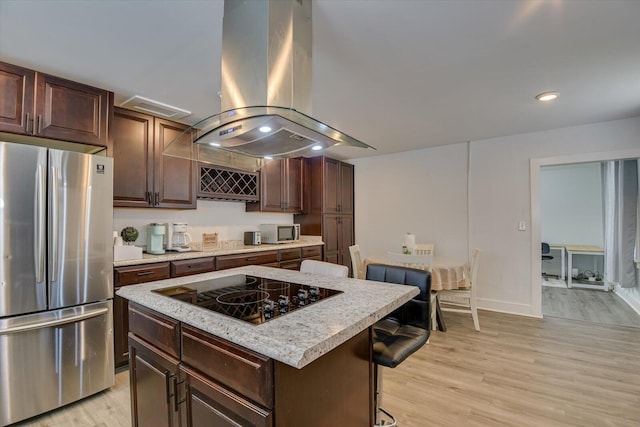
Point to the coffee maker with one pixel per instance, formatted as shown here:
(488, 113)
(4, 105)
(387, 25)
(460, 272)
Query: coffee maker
(155, 237)
(177, 237)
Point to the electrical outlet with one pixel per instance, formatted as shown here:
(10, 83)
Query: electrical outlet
(522, 226)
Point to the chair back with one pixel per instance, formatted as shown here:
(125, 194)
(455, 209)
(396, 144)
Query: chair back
(356, 262)
(417, 311)
(424, 249)
(324, 268)
(421, 262)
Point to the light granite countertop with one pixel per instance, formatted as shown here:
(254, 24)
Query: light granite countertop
(174, 256)
(297, 338)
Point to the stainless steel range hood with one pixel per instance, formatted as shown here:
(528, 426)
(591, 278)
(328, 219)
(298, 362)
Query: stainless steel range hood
(266, 87)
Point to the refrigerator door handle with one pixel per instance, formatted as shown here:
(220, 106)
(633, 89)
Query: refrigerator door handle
(55, 322)
(55, 205)
(39, 244)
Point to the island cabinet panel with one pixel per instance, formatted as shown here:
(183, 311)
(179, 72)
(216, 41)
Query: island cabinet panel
(246, 372)
(209, 404)
(268, 258)
(161, 331)
(187, 267)
(337, 386)
(153, 385)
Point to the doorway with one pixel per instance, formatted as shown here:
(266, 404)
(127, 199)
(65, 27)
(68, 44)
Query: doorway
(555, 298)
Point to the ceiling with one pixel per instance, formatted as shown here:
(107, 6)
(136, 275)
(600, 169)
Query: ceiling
(396, 74)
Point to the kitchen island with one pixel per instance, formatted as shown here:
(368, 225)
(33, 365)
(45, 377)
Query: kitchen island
(309, 367)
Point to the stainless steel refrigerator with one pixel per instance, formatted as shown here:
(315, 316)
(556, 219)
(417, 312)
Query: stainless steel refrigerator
(56, 278)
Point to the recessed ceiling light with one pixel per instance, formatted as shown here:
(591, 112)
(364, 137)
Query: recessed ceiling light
(268, 158)
(265, 129)
(547, 96)
(316, 147)
(214, 144)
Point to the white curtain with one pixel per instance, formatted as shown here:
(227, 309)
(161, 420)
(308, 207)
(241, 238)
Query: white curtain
(622, 216)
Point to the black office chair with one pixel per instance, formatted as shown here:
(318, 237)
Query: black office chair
(545, 254)
(404, 331)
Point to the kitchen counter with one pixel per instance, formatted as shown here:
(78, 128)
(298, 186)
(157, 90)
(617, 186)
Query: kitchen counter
(173, 256)
(296, 339)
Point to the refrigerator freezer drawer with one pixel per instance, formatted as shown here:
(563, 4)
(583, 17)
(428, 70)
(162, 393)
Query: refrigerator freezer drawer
(50, 359)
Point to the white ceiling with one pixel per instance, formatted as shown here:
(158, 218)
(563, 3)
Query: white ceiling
(396, 74)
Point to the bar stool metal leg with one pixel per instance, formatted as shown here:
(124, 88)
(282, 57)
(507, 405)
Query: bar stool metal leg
(378, 400)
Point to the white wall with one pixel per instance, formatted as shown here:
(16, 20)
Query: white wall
(424, 192)
(228, 219)
(571, 204)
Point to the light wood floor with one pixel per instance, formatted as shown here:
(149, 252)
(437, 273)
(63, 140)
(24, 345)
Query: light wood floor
(517, 371)
(588, 305)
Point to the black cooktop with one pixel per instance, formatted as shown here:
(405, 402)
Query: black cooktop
(253, 299)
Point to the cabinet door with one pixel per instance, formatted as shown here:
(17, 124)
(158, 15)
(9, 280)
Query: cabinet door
(121, 329)
(345, 188)
(16, 98)
(210, 404)
(294, 199)
(70, 111)
(331, 186)
(175, 178)
(271, 181)
(154, 385)
(345, 239)
(331, 236)
(132, 158)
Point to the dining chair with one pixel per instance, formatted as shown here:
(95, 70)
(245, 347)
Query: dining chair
(423, 249)
(421, 262)
(356, 262)
(463, 300)
(324, 268)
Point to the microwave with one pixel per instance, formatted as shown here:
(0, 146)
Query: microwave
(279, 233)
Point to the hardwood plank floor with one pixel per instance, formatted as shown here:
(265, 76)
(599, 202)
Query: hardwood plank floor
(517, 371)
(589, 305)
(110, 408)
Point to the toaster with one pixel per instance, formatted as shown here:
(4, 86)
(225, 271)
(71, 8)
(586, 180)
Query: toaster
(252, 238)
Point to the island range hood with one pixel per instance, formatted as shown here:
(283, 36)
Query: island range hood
(266, 90)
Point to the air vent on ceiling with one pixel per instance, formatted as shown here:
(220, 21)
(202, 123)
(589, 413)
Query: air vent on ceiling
(154, 107)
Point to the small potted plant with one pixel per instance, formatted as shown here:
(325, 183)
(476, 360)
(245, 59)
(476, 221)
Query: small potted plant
(129, 235)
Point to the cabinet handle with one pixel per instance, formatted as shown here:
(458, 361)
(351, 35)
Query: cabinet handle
(144, 273)
(176, 401)
(254, 258)
(27, 122)
(157, 199)
(39, 123)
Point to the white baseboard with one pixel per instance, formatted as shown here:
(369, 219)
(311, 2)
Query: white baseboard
(506, 307)
(629, 298)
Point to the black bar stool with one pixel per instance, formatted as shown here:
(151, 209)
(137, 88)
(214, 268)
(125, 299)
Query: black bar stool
(404, 331)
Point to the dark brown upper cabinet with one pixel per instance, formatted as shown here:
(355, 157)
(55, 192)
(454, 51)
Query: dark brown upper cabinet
(280, 187)
(143, 176)
(34, 103)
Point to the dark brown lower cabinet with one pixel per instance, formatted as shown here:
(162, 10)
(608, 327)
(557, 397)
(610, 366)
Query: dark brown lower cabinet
(209, 404)
(215, 382)
(153, 377)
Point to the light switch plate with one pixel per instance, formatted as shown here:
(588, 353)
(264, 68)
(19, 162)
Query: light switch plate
(522, 226)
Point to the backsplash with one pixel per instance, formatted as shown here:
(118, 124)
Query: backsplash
(228, 219)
